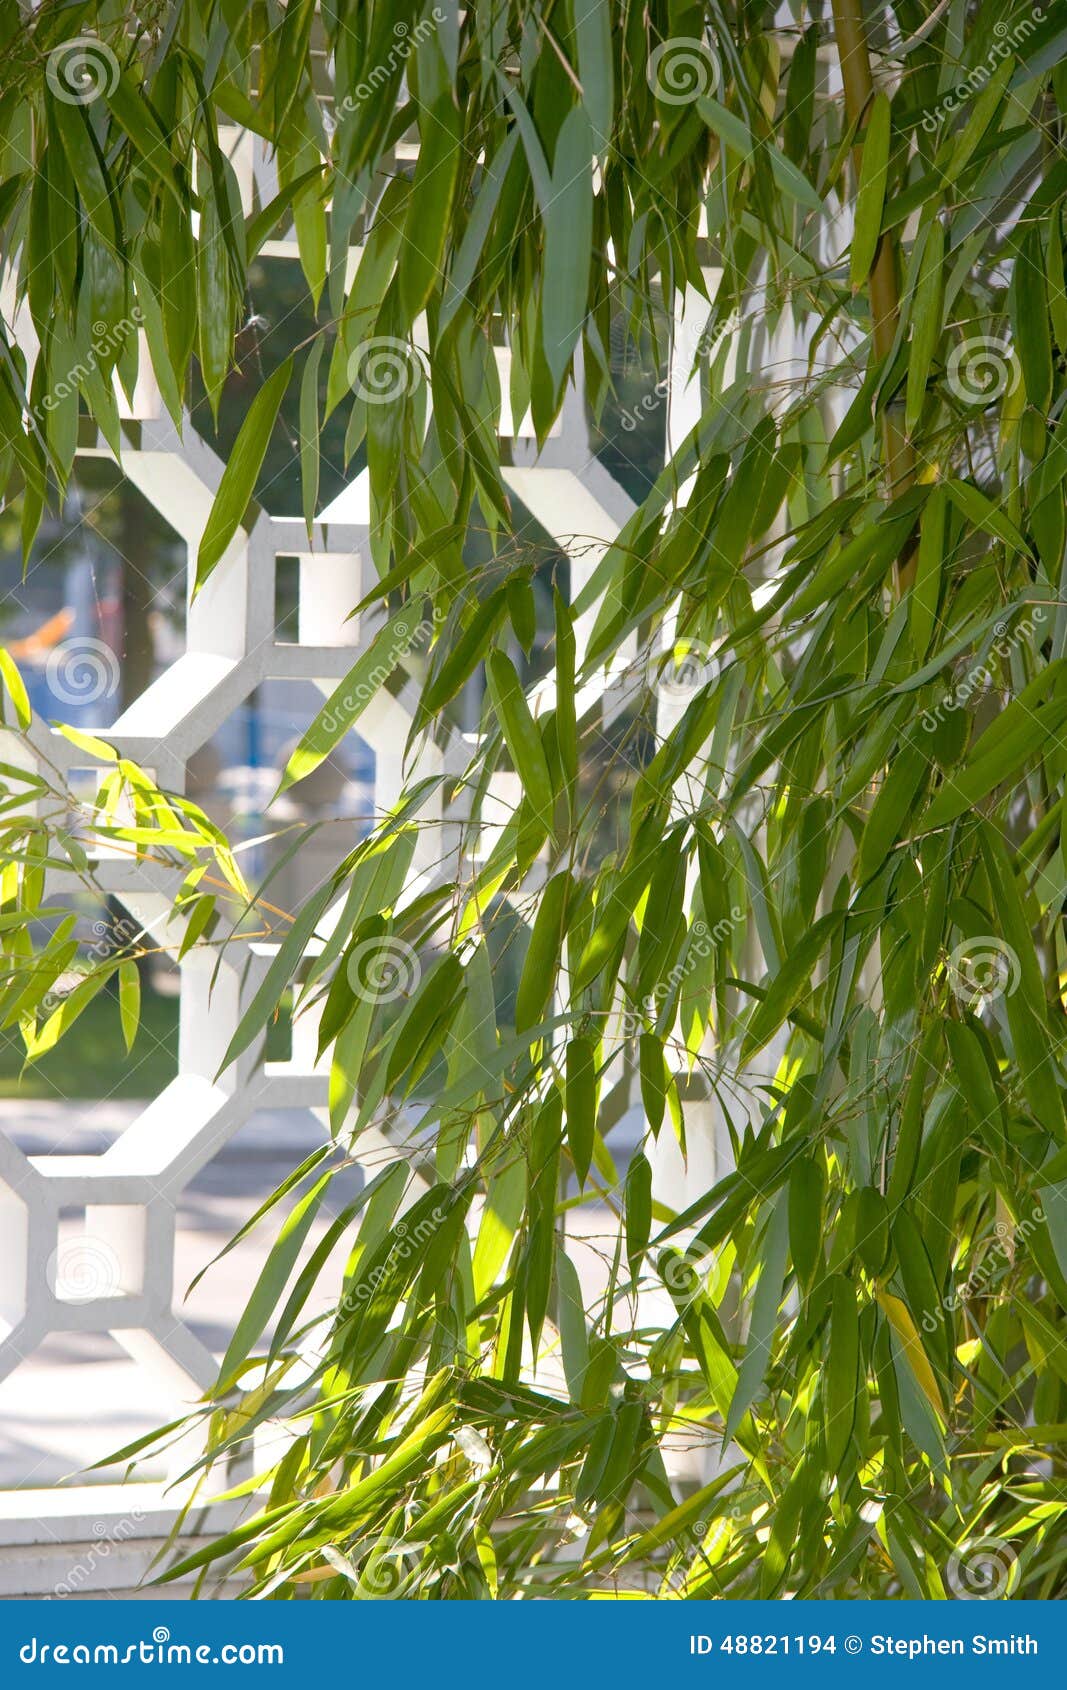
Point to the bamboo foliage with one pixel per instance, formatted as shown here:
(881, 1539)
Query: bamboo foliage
(860, 1324)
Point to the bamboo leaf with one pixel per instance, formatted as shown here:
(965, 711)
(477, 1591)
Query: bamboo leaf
(129, 1001)
(568, 241)
(239, 477)
(870, 196)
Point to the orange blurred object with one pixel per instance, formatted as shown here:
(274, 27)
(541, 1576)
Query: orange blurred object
(42, 639)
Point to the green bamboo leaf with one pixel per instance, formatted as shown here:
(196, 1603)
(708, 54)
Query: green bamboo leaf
(568, 241)
(504, 1204)
(430, 209)
(842, 1384)
(271, 1282)
(912, 1114)
(465, 263)
(239, 477)
(351, 696)
(926, 325)
(566, 717)
(463, 656)
(985, 515)
(213, 306)
(620, 1467)
(976, 1081)
(574, 1337)
(872, 1229)
(15, 688)
(198, 915)
(734, 132)
(788, 985)
(129, 1000)
(807, 1195)
(580, 1103)
(539, 971)
(1056, 277)
(655, 1079)
(259, 228)
(885, 825)
(925, 594)
(990, 766)
(638, 1210)
(593, 32)
(773, 1255)
(1025, 1006)
(870, 196)
(536, 162)
(87, 167)
(135, 115)
(1028, 304)
(309, 433)
(985, 109)
(520, 732)
(278, 975)
(924, 1302)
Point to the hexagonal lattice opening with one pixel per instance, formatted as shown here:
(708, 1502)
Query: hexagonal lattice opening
(100, 610)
